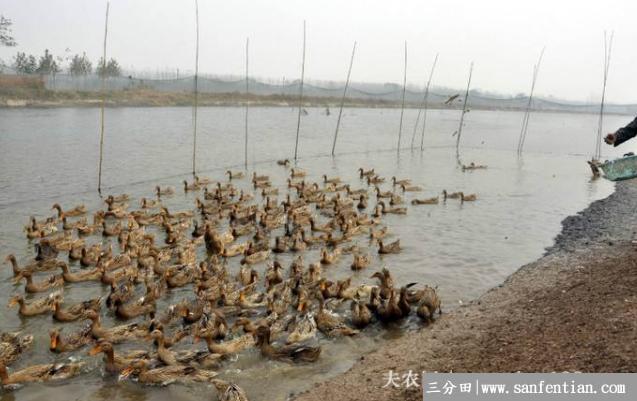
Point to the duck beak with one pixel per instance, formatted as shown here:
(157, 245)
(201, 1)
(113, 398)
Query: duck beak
(196, 339)
(54, 342)
(12, 302)
(125, 373)
(94, 351)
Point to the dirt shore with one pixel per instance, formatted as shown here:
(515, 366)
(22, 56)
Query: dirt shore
(575, 309)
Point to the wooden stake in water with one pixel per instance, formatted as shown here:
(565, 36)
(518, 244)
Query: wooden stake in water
(423, 109)
(298, 122)
(464, 110)
(196, 93)
(608, 47)
(99, 169)
(527, 113)
(340, 112)
(402, 107)
(247, 103)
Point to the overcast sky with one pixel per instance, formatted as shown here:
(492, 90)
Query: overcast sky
(502, 37)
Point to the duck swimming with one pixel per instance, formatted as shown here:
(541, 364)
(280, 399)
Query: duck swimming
(290, 353)
(40, 373)
(12, 345)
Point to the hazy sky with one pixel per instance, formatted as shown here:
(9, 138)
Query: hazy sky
(502, 37)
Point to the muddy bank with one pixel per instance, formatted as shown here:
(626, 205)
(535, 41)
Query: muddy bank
(575, 309)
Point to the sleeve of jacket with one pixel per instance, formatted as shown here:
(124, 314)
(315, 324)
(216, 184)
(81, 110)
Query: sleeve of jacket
(626, 133)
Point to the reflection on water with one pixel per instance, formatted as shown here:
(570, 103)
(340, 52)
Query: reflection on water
(49, 155)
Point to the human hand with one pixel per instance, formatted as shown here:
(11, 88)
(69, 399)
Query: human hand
(610, 139)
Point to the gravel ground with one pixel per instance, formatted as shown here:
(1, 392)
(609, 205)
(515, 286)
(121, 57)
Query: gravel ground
(575, 309)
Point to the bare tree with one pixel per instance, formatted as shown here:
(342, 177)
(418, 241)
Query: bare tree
(6, 37)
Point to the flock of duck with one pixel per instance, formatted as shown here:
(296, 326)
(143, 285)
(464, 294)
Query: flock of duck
(283, 312)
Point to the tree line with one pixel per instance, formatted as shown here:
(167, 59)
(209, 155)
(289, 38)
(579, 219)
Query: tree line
(46, 64)
(78, 65)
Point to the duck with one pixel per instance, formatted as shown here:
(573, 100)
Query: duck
(362, 203)
(256, 178)
(39, 306)
(446, 195)
(429, 303)
(166, 374)
(141, 307)
(112, 230)
(393, 247)
(280, 245)
(473, 166)
(45, 285)
(332, 180)
(468, 198)
(366, 173)
(113, 334)
(291, 353)
(360, 261)
(234, 346)
(72, 342)
(149, 203)
(331, 324)
(374, 179)
(428, 201)
(410, 188)
(191, 187)
(159, 191)
(273, 274)
(40, 266)
(296, 173)
(328, 258)
(392, 210)
(298, 244)
(256, 257)
(283, 162)
(115, 363)
(12, 346)
(326, 228)
(164, 354)
(380, 194)
(229, 391)
(361, 315)
(80, 276)
(397, 182)
(378, 234)
(76, 211)
(386, 283)
(235, 175)
(303, 327)
(40, 373)
(235, 250)
(74, 312)
(390, 310)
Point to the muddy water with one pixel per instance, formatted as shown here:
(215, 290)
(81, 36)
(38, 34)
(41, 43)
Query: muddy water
(50, 156)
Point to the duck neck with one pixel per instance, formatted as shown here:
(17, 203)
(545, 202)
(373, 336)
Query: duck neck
(14, 265)
(109, 356)
(3, 374)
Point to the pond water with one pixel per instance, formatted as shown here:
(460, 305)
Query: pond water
(50, 155)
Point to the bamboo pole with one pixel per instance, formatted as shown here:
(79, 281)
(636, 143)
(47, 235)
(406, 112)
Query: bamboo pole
(423, 108)
(99, 168)
(464, 110)
(245, 151)
(608, 46)
(298, 122)
(196, 93)
(402, 107)
(340, 112)
(527, 113)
